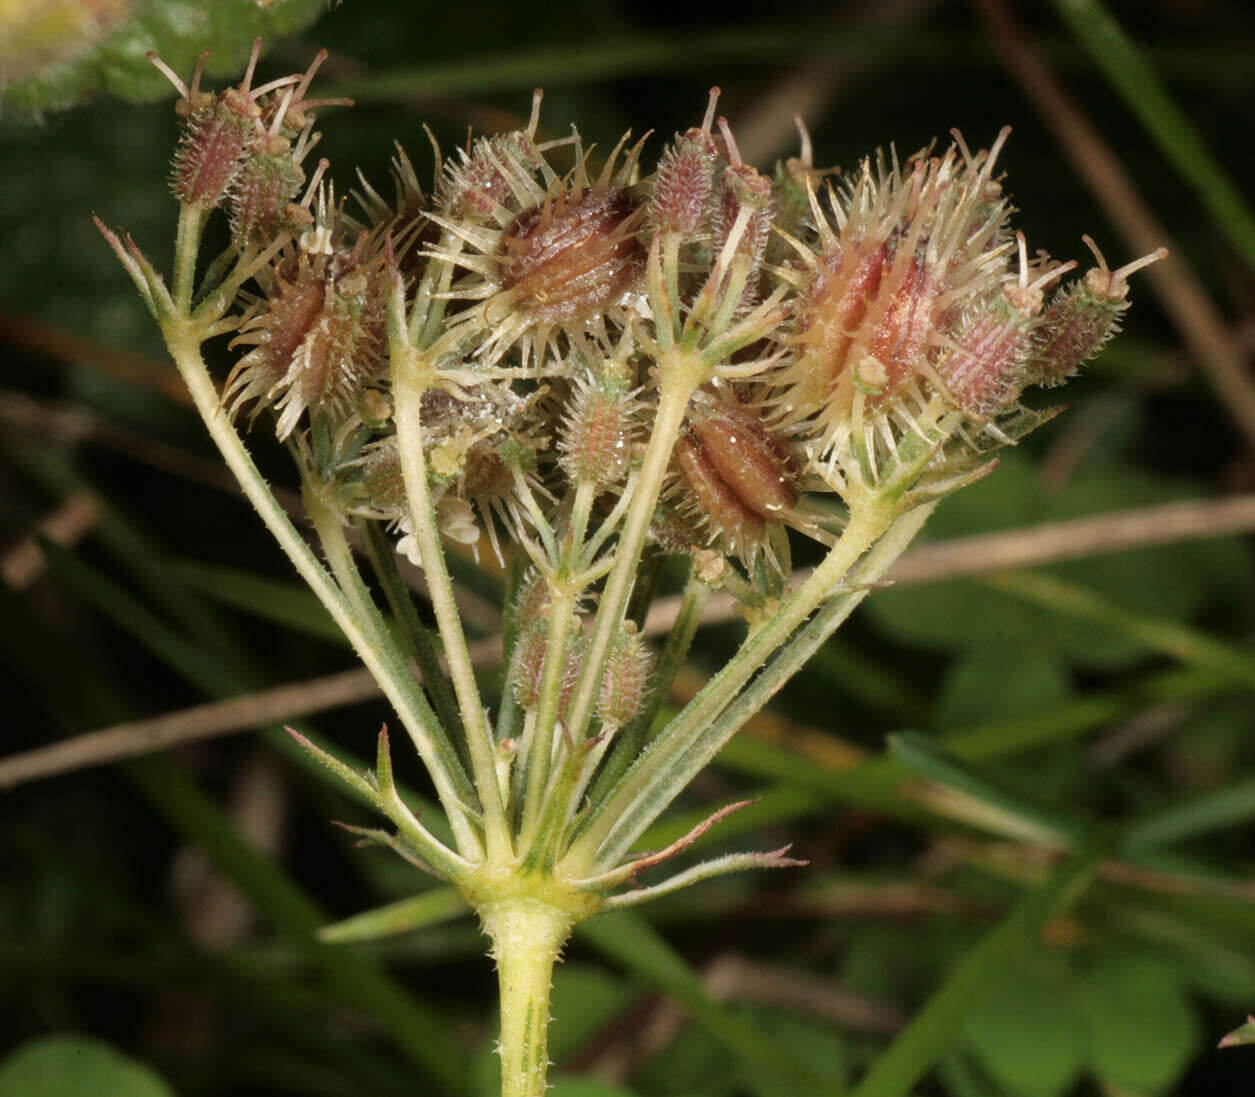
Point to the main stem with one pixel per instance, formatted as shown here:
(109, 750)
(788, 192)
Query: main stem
(527, 936)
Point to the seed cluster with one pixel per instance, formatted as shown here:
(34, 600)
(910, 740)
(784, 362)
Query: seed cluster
(881, 309)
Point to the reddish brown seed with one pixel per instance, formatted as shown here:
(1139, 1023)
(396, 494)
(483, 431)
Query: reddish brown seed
(735, 523)
(902, 323)
(571, 258)
(748, 458)
(833, 309)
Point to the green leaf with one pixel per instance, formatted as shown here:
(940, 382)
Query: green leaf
(1171, 581)
(177, 30)
(71, 1066)
(1142, 1028)
(996, 683)
(926, 1038)
(1024, 1032)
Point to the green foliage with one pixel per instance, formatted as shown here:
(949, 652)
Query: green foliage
(70, 1066)
(1025, 1032)
(177, 30)
(1172, 581)
(1141, 1027)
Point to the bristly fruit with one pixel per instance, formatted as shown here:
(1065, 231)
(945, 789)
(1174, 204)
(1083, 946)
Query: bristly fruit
(600, 423)
(684, 184)
(1082, 317)
(625, 678)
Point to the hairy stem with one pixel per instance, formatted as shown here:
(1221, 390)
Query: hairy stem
(184, 346)
(407, 391)
(653, 779)
(527, 936)
(679, 379)
(329, 527)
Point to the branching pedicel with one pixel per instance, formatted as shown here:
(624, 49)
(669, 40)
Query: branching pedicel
(598, 368)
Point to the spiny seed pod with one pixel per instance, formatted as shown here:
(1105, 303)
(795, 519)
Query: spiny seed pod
(739, 474)
(595, 444)
(218, 130)
(845, 280)
(685, 180)
(532, 600)
(986, 369)
(565, 265)
(791, 186)
(216, 138)
(1081, 319)
(318, 342)
(570, 259)
(673, 532)
(684, 184)
(379, 489)
(906, 257)
(898, 328)
(483, 182)
(261, 200)
(527, 675)
(745, 211)
(625, 678)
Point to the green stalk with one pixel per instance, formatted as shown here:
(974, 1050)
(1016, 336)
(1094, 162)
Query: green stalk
(653, 779)
(408, 385)
(184, 345)
(418, 637)
(186, 248)
(527, 936)
(680, 374)
(561, 609)
(329, 527)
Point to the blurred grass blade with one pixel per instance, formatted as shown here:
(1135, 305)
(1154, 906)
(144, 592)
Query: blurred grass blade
(806, 785)
(932, 1032)
(274, 600)
(971, 797)
(430, 908)
(1229, 806)
(1145, 94)
(1156, 634)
